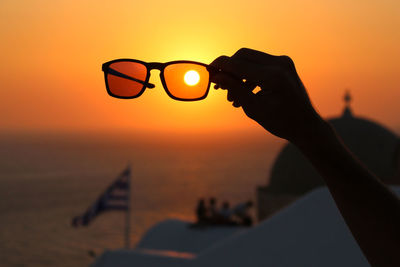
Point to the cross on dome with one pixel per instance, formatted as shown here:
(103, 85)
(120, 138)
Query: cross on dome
(347, 100)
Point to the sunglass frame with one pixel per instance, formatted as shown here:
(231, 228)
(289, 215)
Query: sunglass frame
(151, 66)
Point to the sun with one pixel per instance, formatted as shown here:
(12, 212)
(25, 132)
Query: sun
(191, 77)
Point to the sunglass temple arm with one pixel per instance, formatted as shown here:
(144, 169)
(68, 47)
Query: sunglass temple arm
(119, 74)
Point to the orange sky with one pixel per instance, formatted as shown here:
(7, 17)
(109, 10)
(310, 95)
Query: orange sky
(52, 51)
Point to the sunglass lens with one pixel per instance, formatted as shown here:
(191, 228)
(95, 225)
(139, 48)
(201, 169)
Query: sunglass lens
(187, 81)
(126, 78)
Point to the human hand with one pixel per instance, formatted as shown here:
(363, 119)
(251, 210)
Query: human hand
(282, 106)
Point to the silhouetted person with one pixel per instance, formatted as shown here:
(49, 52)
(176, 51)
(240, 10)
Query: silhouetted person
(225, 214)
(92, 253)
(201, 212)
(282, 106)
(241, 212)
(212, 210)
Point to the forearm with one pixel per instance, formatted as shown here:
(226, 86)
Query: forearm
(370, 209)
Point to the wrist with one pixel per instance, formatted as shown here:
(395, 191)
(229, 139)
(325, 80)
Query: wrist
(318, 131)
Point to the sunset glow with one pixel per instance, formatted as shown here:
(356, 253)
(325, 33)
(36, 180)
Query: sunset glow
(51, 78)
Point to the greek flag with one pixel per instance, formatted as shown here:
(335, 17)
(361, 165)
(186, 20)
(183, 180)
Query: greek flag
(115, 197)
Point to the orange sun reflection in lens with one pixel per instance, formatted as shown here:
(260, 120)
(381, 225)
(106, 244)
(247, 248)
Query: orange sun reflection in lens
(191, 77)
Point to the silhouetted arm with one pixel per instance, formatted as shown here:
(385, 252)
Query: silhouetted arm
(370, 209)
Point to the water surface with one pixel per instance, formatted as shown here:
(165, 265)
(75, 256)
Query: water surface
(45, 180)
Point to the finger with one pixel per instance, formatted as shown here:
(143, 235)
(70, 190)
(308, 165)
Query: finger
(286, 60)
(272, 78)
(238, 92)
(234, 98)
(224, 81)
(238, 69)
(254, 56)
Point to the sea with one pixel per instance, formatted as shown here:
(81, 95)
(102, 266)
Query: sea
(47, 179)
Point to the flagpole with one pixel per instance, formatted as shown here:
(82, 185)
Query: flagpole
(128, 212)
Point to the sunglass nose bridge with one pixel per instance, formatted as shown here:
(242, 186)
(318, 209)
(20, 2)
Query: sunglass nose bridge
(156, 65)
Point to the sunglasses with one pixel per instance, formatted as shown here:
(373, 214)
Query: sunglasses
(182, 80)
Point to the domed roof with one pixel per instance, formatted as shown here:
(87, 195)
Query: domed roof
(372, 143)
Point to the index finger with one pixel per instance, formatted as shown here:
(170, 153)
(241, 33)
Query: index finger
(255, 56)
(238, 69)
(259, 57)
